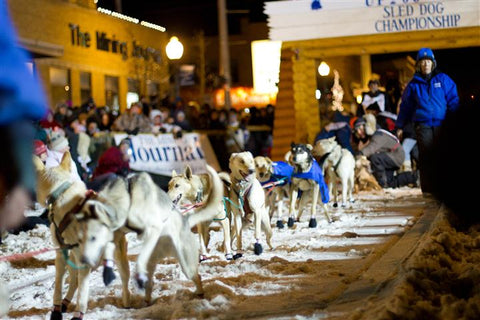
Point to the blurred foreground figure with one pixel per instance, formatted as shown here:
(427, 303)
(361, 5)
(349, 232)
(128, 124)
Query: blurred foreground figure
(21, 103)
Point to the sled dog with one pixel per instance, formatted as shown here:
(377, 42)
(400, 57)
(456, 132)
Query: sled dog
(138, 204)
(190, 189)
(338, 166)
(248, 199)
(307, 178)
(364, 179)
(63, 197)
(275, 178)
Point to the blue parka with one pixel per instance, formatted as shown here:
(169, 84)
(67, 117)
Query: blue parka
(428, 101)
(21, 94)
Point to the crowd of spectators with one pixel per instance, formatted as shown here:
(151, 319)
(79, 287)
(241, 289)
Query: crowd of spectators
(81, 130)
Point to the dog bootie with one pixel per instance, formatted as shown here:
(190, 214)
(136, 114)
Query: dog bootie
(258, 249)
(141, 280)
(312, 223)
(280, 224)
(108, 275)
(56, 315)
(237, 256)
(290, 222)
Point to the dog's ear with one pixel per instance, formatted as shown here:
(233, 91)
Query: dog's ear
(309, 146)
(269, 161)
(174, 173)
(188, 172)
(38, 164)
(332, 139)
(288, 157)
(233, 155)
(292, 144)
(66, 161)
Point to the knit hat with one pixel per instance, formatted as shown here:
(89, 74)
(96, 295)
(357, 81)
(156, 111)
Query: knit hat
(359, 122)
(58, 142)
(154, 113)
(39, 147)
(426, 53)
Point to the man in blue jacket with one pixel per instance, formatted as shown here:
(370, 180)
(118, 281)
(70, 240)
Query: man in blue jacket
(428, 98)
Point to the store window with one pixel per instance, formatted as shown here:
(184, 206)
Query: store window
(111, 92)
(85, 86)
(153, 90)
(133, 93)
(60, 86)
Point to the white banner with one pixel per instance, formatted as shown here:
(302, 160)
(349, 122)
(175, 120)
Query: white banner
(160, 154)
(296, 20)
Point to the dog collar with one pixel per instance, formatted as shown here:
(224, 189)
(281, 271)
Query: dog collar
(58, 192)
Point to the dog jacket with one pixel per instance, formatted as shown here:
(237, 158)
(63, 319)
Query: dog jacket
(282, 171)
(315, 173)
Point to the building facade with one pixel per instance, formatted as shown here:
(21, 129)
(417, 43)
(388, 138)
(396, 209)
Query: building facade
(81, 53)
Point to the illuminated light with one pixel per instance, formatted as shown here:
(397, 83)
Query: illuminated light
(130, 19)
(67, 88)
(95, 1)
(318, 94)
(472, 97)
(153, 26)
(266, 66)
(174, 49)
(247, 110)
(359, 99)
(323, 69)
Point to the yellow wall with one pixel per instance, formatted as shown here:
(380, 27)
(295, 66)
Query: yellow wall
(45, 23)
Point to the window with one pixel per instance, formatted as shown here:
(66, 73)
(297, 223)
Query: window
(85, 86)
(111, 92)
(60, 85)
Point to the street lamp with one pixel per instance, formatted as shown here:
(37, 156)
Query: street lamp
(174, 51)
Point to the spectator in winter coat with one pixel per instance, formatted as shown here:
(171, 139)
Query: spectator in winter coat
(114, 160)
(338, 128)
(132, 121)
(57, 146)
(374, 99)
(385, 153)
(426, 100)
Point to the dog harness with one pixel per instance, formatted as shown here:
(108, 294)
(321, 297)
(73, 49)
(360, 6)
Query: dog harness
(282, 173)
(315, 174)
(68, 217)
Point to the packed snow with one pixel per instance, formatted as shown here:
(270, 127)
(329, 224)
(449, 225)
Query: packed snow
(307, 268)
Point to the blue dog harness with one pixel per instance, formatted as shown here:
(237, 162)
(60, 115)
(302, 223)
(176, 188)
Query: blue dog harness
(282, 173)
(315, 173)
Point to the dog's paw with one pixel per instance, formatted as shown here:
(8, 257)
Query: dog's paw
(141, 280)
(56, 315)
(312, 223)
(108, 275)
(257, 248)
(280, 224)
(290, 222)
(229, 256)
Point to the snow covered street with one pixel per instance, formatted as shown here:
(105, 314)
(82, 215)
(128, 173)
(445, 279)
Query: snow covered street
(307, 270)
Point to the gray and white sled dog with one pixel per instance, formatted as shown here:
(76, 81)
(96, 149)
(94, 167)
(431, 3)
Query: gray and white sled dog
(137, 204)
(307, 178)
(247, 199)
(338, 166)
(187, 188)
(63, 198)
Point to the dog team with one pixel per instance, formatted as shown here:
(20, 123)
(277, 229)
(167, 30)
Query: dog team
(90, 228)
